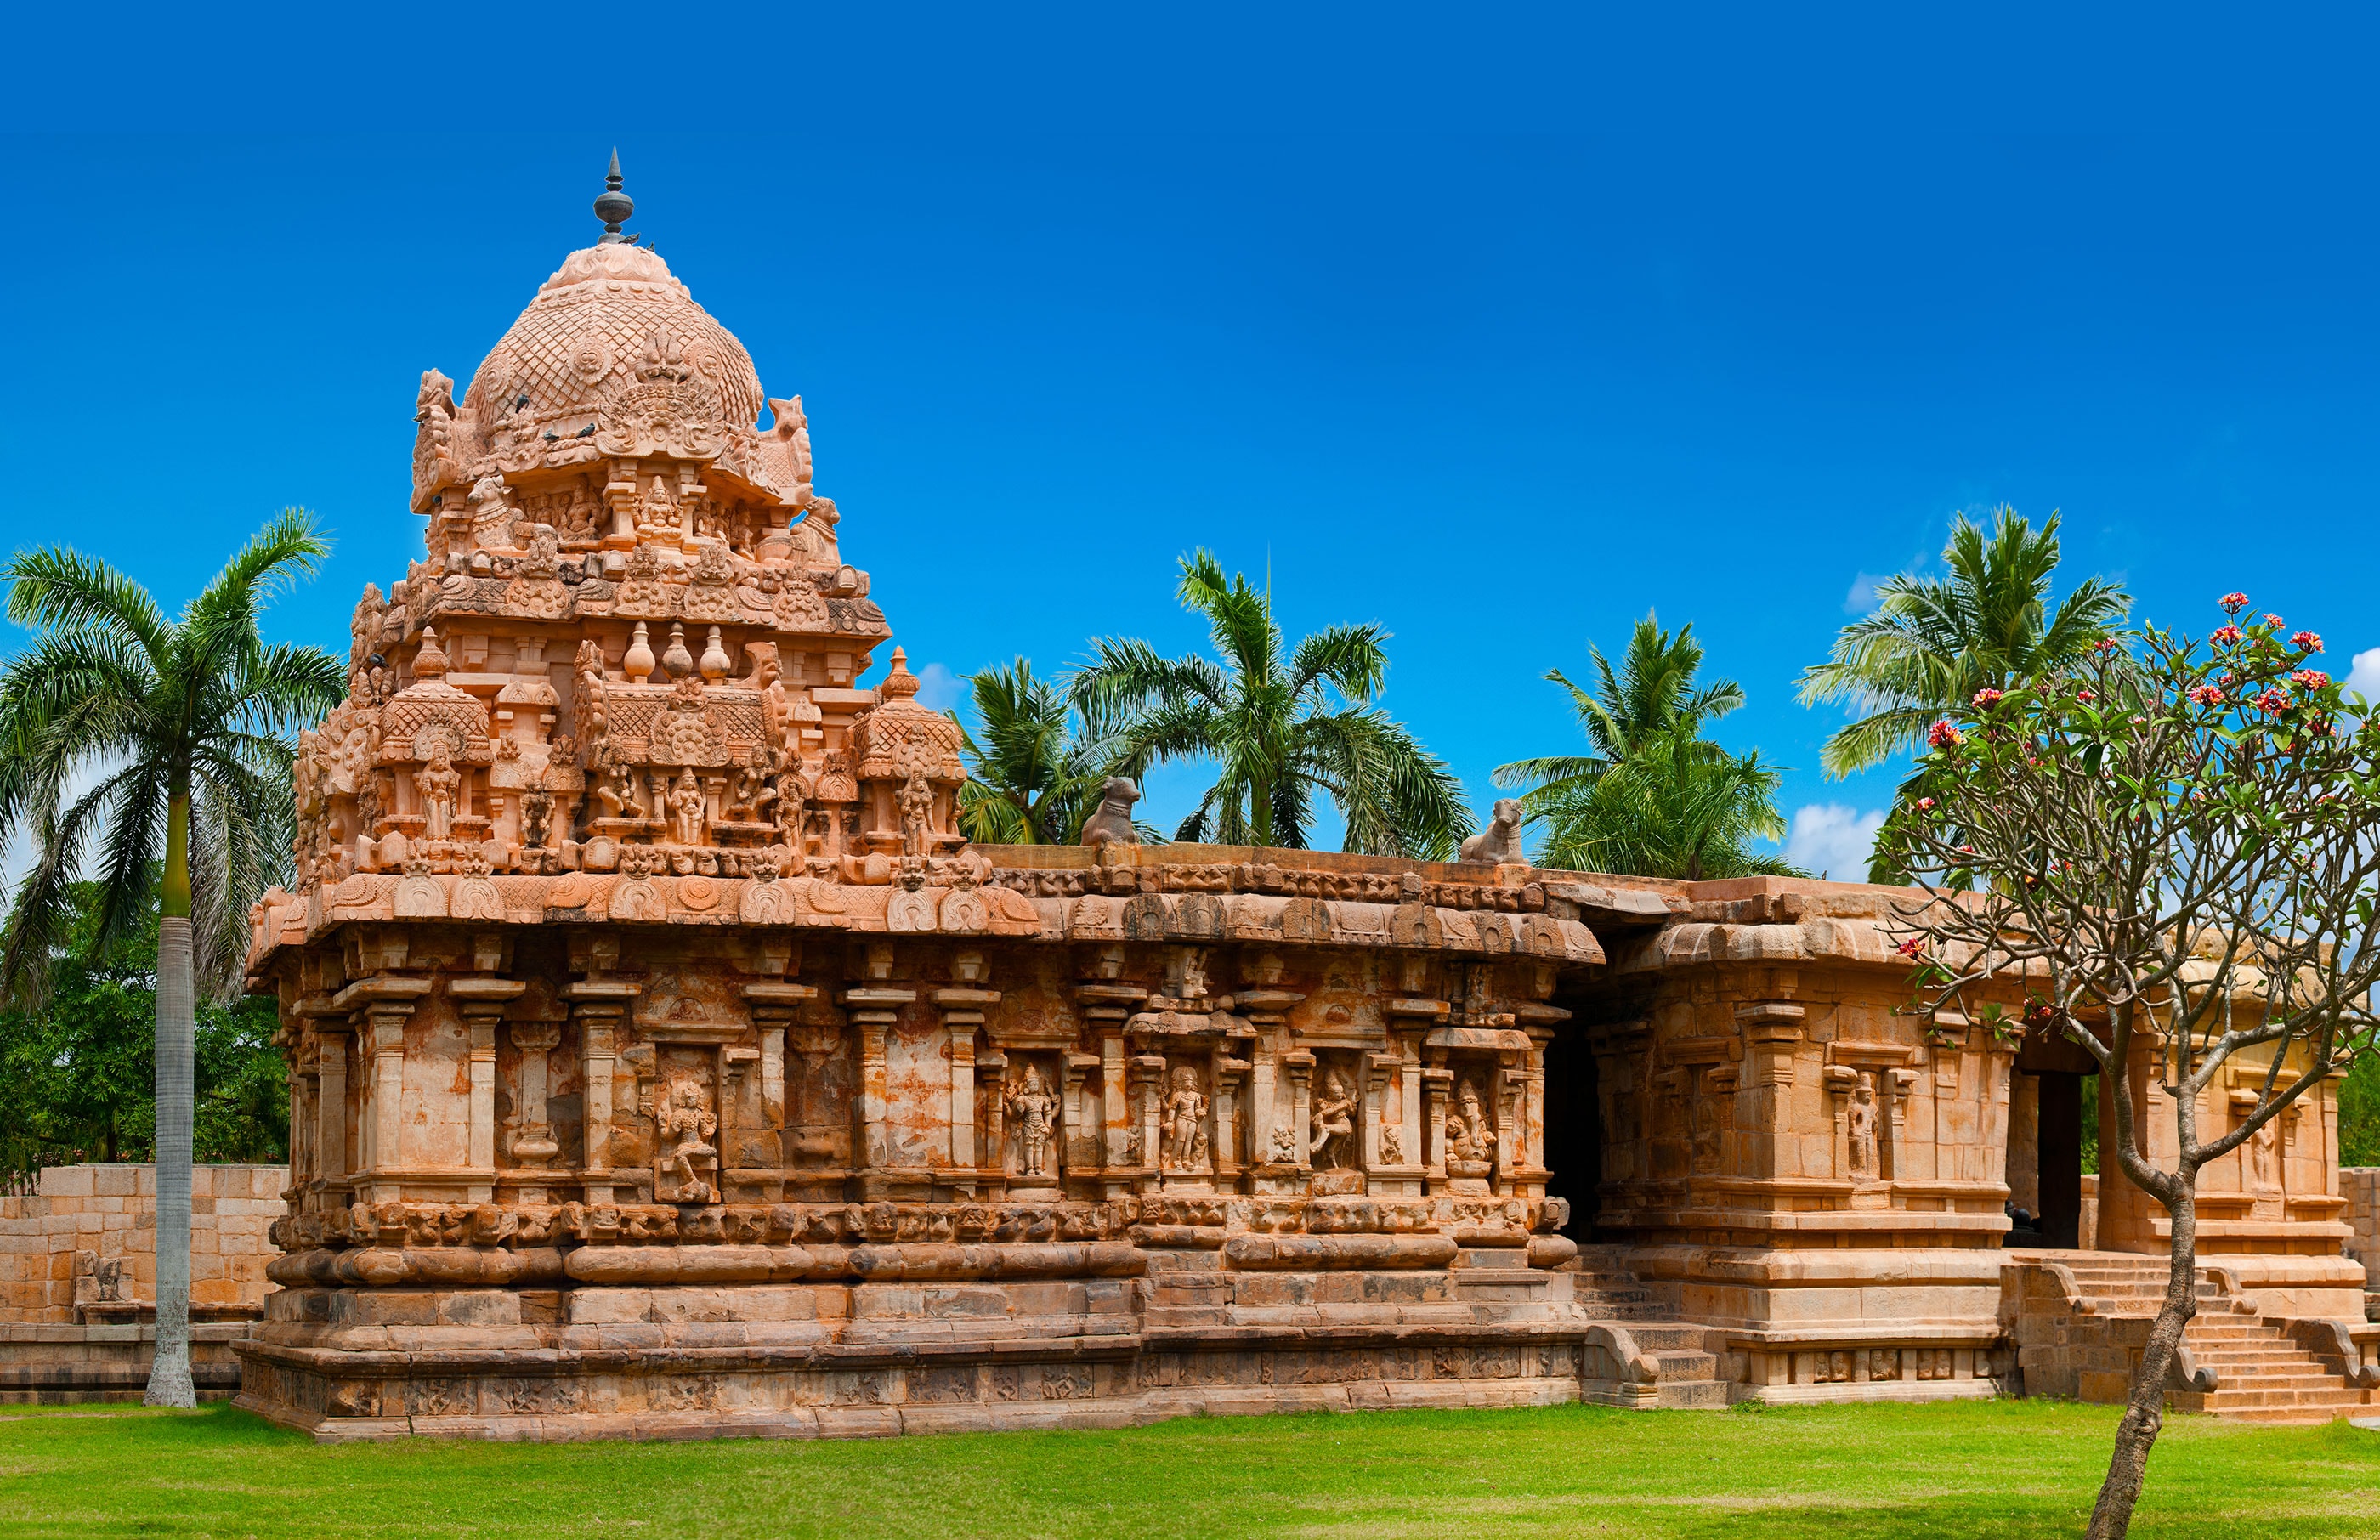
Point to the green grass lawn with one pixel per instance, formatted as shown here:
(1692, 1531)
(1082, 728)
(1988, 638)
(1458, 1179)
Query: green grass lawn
(1990, 1468)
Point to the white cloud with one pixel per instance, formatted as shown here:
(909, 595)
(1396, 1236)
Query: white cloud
(938, 687)
(2366, 676)
(1830, 839)
(1863, 596)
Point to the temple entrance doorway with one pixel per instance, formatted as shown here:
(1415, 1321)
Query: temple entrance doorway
(2052, 1090)
(1574, 1130)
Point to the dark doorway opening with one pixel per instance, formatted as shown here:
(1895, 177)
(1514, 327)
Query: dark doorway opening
(2049, 1100)
(1574, 1130)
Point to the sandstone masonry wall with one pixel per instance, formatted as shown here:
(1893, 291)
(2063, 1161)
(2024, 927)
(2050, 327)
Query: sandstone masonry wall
(59, 1245)
(2360, 1186)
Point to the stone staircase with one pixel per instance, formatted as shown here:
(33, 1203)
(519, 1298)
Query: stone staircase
(2259, 1372)
(1661, 1361)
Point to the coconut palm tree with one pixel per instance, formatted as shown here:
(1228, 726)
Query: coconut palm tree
(152, 746)
(1032, 779)
(1284, 725)
(1933, 642)
(1656, 798)
(1648, 696)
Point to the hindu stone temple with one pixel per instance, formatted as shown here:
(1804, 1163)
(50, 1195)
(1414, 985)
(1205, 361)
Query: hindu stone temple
(665, 1062)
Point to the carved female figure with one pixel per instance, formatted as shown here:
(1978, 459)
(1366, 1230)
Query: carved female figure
(1183, 1126)
(1860, 1124)
(1034, 1108)
(917, 814)
(1334, 1122)
(439, 782)
(686, 806)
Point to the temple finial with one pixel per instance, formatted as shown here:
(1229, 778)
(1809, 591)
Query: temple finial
(612, 206)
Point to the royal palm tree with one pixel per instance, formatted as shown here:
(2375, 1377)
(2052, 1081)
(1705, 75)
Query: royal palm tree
(1933, 642)
(161, 750)
(1656, 798)
(1032, 779)
(1284, 725)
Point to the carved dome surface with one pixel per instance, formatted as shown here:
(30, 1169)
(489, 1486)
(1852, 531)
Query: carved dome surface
(611, 326)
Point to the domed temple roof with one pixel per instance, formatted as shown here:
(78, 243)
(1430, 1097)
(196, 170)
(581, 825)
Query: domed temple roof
(612, 358)
(611, 323)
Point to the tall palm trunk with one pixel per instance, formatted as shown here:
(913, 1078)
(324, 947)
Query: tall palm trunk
(169, 1375)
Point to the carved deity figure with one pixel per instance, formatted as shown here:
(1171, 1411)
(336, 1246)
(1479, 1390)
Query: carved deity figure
(1183, 1126)
(536, 814)
(754, 798)
(917, 814)
(1035, 1108)
(686, 1126)
(616, 793)
(657, 514)
(439, 783)
(1284, 1144)
(1470, 1138)
(1860, 1124)
(1392, 1146)
(1334, 1124)
(686, 804)
(2264, 1166)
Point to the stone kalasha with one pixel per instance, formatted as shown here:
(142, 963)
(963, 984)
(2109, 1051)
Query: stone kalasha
(662, 1059)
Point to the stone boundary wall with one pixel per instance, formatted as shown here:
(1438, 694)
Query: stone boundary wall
(2360, 1186)
(86, 1240)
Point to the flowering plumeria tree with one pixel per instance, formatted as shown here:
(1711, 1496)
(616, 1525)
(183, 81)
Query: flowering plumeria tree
(2170, 849)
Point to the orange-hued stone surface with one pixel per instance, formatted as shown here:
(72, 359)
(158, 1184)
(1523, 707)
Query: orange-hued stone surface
(665, 1063)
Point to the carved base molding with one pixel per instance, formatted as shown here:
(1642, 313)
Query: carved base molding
(850, 1389)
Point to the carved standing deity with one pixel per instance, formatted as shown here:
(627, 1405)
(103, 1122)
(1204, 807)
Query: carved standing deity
(1334, 1122)
(686, 807)
(1184, 1145)
(1035, 1108)
(2264, 1165)
(536, 814)
(917, 814)
(1860, 1124)
(439, 782)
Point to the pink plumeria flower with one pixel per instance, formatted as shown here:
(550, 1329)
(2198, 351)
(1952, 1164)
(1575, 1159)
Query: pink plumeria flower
(1925, 803)
(2313, 679)
(2309, 641)
(2273, 701)
(1943, 735)
(2206, 694)
(1912, 947)
(2233, 602)
(2274, 621)
(2226, 635)
(1985, 698)
(2086, 697)
(2105, 645)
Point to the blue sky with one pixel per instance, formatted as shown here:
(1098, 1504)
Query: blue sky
(1503, 391)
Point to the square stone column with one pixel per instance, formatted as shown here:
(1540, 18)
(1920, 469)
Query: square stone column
(482, 1003)
(380, 1006)
(874, 1009)
(963, 1012)
(598, 1005)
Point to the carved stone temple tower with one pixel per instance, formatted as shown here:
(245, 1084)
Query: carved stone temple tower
(664, 1061)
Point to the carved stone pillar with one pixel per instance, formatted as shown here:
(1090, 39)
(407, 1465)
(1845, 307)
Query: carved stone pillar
(1228, 1072)
(380, 1006)
(875, 1008)
(482, 1003)
(599, 1005)
(775, 1006)
(962, 1010)
(330, 1115)
(533, 1146)
(1438, 1083)
(1147, 1076)
(1298, 1065)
